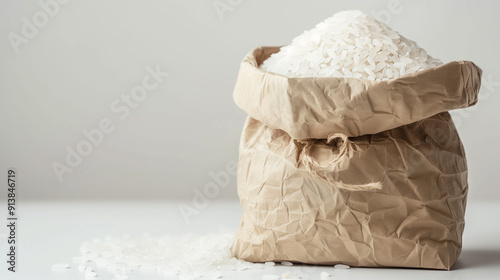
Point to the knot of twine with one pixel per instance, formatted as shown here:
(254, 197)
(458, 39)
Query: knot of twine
(343, 150)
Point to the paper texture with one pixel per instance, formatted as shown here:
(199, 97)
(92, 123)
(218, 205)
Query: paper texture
(343, 170)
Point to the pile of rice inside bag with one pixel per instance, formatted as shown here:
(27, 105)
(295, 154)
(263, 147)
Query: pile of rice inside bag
(350, 44)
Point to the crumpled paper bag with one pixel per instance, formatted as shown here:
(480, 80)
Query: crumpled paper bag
(344, 170)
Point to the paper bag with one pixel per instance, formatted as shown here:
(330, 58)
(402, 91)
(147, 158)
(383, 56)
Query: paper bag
(343, 170)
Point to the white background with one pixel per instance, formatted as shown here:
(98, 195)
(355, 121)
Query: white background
(65, 78)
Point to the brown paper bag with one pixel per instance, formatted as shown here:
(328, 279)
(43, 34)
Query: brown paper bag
(343, 170)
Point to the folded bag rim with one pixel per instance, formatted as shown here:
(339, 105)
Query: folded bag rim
(316, 107)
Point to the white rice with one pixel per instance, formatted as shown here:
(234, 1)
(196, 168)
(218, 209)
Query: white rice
(60, 266)
(189, 256)
(342, 266)
(350, 44)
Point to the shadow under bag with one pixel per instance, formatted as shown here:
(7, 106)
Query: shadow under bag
(343, 170)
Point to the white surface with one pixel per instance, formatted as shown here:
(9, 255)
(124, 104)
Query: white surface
(51, 233)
